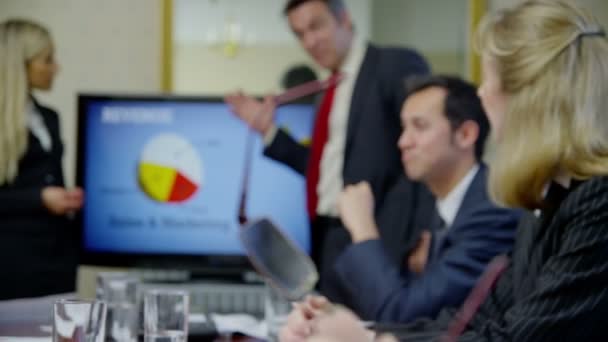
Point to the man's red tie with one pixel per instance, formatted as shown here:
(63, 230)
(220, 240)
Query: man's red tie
(319, 138)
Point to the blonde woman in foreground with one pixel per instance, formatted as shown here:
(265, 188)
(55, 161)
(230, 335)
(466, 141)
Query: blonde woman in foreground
(545, 91)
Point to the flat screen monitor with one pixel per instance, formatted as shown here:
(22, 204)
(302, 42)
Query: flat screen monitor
(164, 177)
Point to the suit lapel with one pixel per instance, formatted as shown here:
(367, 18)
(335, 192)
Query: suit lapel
(360, 93)
(471, 196)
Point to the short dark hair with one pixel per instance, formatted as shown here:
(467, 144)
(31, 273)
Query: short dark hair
(335, 6)
(299, 74)
(461, 103)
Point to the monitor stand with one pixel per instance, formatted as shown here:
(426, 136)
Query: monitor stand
(185, 276)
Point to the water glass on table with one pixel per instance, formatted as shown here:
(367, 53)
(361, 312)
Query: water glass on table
(276, 309)
(166, 315)
(77, 320)
(119, 291)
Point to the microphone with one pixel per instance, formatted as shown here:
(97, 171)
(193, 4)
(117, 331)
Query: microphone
(245, 185)
(308, 88)
(287, 96)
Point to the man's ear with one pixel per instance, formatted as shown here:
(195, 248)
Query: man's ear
(467, 134)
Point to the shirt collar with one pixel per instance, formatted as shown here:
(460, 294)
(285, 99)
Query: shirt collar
(449, 205)
(29, 106)
(354, 57)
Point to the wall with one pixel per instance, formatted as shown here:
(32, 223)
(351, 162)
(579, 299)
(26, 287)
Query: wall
(266, 45)
(437, 28)
(256, 69)
(105, 46)
(599, 8)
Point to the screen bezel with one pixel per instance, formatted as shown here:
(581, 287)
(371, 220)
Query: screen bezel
(211, 264)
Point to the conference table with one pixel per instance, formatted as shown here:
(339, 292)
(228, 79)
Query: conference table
(33, 332)
(30, 320)
(41, 332)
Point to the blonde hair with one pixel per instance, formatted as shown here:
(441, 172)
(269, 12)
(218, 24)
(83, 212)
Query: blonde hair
(552, 60)
(20, 41)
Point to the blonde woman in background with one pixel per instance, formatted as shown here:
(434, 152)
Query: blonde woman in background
(38, 243)
(545, 91)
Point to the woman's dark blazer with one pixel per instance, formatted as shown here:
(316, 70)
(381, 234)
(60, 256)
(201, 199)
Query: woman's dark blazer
(38, 250)
(556, 288)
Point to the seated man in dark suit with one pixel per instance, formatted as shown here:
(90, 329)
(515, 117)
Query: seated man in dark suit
(444, 131)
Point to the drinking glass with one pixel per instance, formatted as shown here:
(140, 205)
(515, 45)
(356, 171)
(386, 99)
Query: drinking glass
(166, 315)
(119, 291)
(79, 320)
(276, 309)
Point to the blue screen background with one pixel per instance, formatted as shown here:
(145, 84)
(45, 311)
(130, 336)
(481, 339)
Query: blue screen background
(119, 217)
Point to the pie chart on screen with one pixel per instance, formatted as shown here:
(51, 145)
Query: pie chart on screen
(170, 169)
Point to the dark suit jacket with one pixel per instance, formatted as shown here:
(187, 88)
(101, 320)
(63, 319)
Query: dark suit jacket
(374, 127)
(37, 249)
(382, 292)
(371, 151)
(556, 287)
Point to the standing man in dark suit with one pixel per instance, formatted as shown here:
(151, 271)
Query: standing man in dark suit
(356, 128)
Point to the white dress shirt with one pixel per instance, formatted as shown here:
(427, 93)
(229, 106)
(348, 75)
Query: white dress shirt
(448, 206)
(332, 159)
(36, 125)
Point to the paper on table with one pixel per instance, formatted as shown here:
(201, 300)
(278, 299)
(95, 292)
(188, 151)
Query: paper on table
(240, 323)
(253, 327)
(24, 339)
